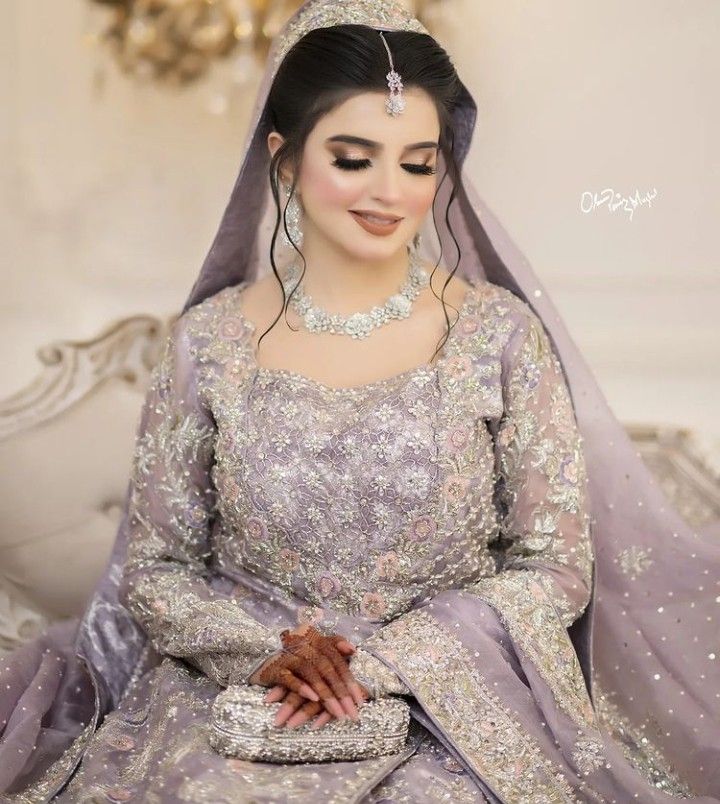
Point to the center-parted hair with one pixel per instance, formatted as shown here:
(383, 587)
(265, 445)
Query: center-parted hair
(328, 66)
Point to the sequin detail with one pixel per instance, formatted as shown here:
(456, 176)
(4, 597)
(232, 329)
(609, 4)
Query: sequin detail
(393, 465)
(172, 502)
(490, 736)
(386, 14)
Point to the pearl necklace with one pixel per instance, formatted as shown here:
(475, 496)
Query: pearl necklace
(357, 325)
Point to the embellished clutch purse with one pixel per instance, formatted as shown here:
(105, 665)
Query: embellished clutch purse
(242, 727)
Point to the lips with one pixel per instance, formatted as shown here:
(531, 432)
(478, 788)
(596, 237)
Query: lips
(376, 217)
(376, 223)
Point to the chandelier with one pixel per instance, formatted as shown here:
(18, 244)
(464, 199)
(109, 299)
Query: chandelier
(176, 41)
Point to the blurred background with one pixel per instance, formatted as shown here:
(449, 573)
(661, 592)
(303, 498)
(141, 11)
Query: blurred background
(123, 123)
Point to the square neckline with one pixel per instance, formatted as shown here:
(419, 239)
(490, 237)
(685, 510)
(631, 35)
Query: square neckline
(258, 370)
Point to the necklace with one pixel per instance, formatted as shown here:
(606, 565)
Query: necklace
(357, 325)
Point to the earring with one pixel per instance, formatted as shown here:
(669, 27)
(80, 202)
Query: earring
(417, 240)
(293, 215)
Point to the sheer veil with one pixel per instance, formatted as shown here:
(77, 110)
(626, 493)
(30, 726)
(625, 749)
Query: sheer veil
(650, 566)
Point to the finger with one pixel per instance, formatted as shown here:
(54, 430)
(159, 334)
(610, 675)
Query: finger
(321, 720)
(310, 673)
(288, 679)
(344, 646)
(290, 705)
(287, 673)
(357, 692)
(340, 690)
(364, 692)
(306, 712)
(277, 693)
(343, 671)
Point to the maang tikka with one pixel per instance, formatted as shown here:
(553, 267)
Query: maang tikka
(395, 104)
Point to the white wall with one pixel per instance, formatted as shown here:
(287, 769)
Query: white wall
(110, 198)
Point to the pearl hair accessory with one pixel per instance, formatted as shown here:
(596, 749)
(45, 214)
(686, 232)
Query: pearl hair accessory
(357, 325)
(395, 104)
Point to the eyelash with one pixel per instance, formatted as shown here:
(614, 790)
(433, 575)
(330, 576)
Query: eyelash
(361, 164)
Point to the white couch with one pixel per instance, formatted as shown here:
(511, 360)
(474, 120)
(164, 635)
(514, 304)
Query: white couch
(66, 443)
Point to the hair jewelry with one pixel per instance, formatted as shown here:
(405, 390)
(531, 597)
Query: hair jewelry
(395, 104)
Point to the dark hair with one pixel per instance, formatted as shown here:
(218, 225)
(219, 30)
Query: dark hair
(328, 66)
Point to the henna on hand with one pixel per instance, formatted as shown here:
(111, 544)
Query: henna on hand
(319, 671)
(279, 669)
(312, 662)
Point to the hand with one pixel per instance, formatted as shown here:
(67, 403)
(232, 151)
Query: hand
(309, 656)
(295, 711)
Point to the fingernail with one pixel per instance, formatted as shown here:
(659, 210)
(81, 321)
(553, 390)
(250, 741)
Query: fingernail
(339, 712)
(350, 707)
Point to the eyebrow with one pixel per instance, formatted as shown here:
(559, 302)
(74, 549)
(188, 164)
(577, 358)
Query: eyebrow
(350, 140)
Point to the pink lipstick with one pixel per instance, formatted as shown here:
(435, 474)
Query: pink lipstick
(376, 223)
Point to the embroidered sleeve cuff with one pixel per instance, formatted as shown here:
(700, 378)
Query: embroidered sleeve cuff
(375, 675)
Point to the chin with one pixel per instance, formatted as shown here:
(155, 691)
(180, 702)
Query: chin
(368, 247)
(375, 253)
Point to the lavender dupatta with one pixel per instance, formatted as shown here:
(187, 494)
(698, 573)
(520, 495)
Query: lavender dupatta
(646, 680)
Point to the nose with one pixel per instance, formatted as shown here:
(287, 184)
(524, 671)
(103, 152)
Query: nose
(386, 186)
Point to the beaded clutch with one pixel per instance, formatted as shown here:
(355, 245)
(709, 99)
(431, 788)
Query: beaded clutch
(242, 727)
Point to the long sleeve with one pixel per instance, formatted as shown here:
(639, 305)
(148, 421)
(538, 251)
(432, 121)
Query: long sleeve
(377, 677)
(165, 576)
(543, 581)
(541, 484)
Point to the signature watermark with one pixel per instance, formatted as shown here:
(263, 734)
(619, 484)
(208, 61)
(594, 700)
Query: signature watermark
(615, 202)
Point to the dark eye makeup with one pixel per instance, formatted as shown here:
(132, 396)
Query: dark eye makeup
(360, 164)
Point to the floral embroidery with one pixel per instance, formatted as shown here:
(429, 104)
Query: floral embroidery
(171, 507)
(525, 609)
(634, 559)
(385, 496)
(371, 499)
(542, 482)
(373, 605)
(388, 565)
(328, 585)
(456, 487)
(638, 747)
(470, 324)
(400, 466)
(289, 559)
(310, 614)
(459, 437)
(460, 366)
(588, 755)
(494, 741)
(230, 328)
(424, 527)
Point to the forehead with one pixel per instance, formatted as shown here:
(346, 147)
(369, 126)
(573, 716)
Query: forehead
(364, 115)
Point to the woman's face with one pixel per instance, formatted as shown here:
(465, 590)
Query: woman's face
(360, 159)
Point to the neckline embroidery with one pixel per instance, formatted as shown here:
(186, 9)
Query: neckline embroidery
(468, 305)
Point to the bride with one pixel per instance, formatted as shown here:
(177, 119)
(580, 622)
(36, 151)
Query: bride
(360, 475)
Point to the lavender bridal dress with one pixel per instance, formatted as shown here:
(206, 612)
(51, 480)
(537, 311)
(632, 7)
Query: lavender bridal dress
(481, 527)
